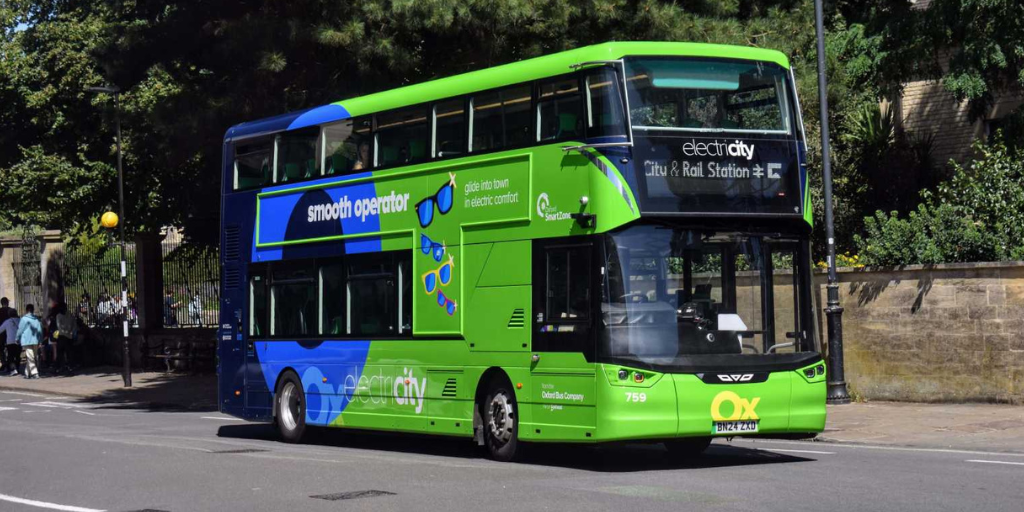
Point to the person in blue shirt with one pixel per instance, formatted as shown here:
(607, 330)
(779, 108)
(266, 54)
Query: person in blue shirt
(30, 335)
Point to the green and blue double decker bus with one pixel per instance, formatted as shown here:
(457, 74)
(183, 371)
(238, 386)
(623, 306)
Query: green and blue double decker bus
(605, 244)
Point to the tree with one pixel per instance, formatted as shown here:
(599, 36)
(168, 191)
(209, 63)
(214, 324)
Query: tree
(978, 215)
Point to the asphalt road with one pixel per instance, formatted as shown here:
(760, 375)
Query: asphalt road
(59, 454)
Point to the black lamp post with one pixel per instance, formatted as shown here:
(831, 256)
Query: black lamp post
(837, 393)
(116, 93)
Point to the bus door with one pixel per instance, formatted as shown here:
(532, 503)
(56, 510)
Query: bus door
(563, 351)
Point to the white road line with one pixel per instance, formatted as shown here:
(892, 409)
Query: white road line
(219, 418)
(43, 504)
(60, 405)
(37, 395)
(799, 451)
(8, 409)
(86, 412)
(832, 444)
(996, 462)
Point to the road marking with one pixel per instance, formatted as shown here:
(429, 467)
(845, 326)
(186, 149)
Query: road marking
(37, 395)
(800, 451)
(877, 447)
(8, 409)
(996, 462)
(86, 412)
(219, 418)
(59, 405)
(43, 504)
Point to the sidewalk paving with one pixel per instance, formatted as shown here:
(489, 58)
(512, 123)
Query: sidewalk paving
(150, 390)
(981, 427)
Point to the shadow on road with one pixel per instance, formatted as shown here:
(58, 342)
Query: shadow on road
(612, 458)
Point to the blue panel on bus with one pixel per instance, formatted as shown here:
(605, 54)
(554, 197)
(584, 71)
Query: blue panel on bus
(325, 212)
(329, 371)
(319, 115)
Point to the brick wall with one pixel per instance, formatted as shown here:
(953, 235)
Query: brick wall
(934, 333)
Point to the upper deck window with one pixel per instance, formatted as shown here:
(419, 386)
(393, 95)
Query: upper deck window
(348, 146)
(402, 136)
(501, 119)
(559, 111)
(298, 155)
(254, 163)
(706, 95)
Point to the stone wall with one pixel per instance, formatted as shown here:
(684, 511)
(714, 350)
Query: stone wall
(934, 333)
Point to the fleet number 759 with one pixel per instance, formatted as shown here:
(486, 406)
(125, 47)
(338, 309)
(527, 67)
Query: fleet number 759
(636, 397)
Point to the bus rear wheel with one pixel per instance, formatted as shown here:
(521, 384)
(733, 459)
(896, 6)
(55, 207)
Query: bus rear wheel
(501, 422)
(688, 446)
(290, 408)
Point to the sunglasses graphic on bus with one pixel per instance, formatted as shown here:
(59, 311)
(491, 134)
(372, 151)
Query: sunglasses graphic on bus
(442, 199)
(434, 249)
(449, 305)
(439, 277)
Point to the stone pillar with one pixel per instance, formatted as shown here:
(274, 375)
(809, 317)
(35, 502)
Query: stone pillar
(150, 282)
(8, 246)
(51, 255)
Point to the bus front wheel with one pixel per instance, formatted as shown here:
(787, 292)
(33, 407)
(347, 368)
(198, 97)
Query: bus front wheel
(688, 446)
(290, 408)
(501, 422)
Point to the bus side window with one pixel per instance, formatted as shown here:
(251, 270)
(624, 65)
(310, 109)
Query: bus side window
(563, 284)
(332, 298)
(298, 155)
(402, 136)
(253, 165)
(605, 116)
(559, 110)
(293, 300)
(257, 304)
(450, 128)
(347, 146)
(501, 119)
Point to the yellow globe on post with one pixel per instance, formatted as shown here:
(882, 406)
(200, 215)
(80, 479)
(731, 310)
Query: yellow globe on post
(109, 220)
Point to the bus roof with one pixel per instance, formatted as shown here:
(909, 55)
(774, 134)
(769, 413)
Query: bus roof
(493, 77)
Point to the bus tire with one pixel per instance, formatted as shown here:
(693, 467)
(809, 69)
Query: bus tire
(500, 413)
(290, 408)
(687, 447)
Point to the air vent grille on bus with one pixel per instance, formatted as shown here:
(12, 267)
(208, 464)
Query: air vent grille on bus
(450, 388)
(518, 319)
(232, 247)
(231, 277)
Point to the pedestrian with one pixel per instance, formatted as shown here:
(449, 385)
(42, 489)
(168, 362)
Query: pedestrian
(170, 310)
(9, 335)
(102, 310)
(5, 312)
(64, 336)
(84, 308)
(30, 335)
(195, 309)
(48, 349)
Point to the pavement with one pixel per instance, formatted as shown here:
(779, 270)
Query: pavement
(64, 453)
(150, 390)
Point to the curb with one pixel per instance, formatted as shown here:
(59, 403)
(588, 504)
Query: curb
(6, 387)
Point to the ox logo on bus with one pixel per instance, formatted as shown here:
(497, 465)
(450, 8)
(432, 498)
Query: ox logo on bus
(547, 211)
(739, 408)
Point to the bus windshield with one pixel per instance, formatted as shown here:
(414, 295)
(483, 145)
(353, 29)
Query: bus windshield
(672, 293)
(707, 95)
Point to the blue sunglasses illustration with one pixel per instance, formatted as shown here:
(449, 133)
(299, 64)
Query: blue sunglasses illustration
(434, 249)
(443, 199)
(449, 305)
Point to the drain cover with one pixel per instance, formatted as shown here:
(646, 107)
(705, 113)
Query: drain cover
(351, 495)
(241, 450)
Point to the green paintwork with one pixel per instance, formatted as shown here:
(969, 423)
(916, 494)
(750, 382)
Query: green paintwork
(546, 66)
(561, 397)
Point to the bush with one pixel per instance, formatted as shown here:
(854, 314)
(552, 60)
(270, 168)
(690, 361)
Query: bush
(977, 216)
